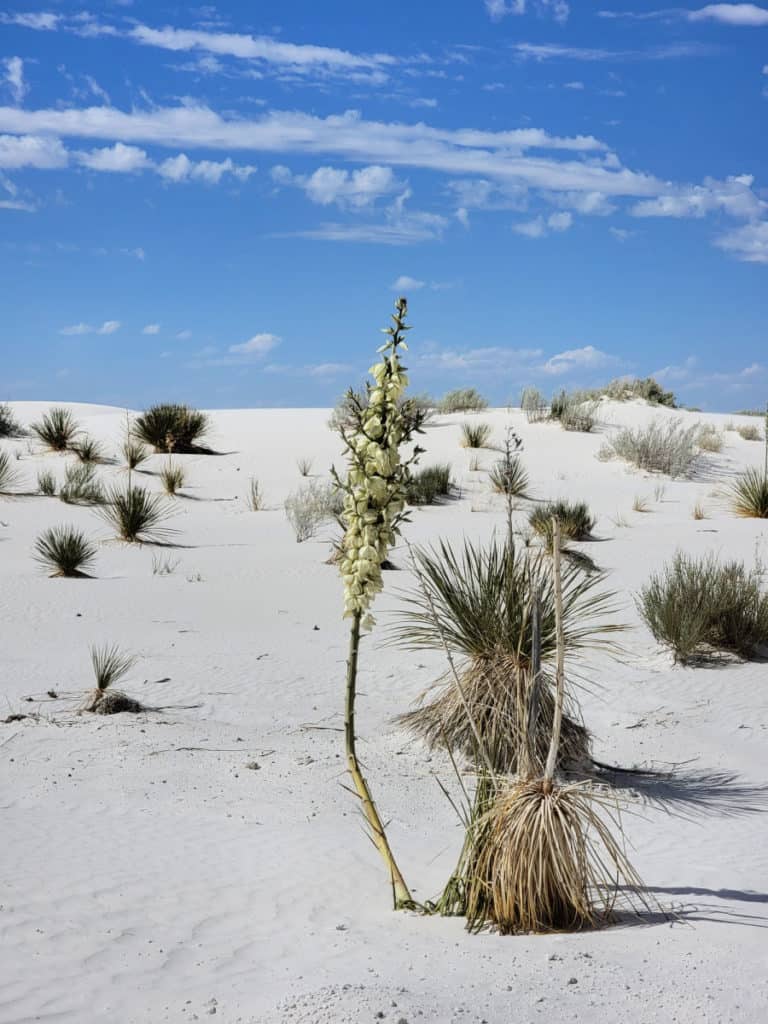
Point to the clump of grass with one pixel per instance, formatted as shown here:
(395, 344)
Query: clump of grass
(164, 565)
(9, 475)
(304, 466)
(136, 515)
(534, 405)
(9, 425)
(710, 438)
(172, 477)
(624, 389)
(474, 464)
(427, 485)
(575, 520)
(88, 450)
(640, 504)
(254, 499)
(698, 511)
(173, 428)
(462, 400)
(660, 447)
(65, 551)
(134, 452)
(110, 665)
(699, 605)
(46, 483)
(749, 494)
(311, 505)
(57, 429)
(749, 432)
(574, 412)
(475, 435)
(81, 486)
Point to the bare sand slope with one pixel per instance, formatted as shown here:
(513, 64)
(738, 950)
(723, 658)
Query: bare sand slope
(204, 859)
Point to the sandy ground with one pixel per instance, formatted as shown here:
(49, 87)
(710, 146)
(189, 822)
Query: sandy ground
(205, 859)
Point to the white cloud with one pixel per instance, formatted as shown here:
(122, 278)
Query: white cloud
(539, 227)
(498, 9)
(560, 221)
(404, 283)
(184, 335)
(734, 196)
(329, 185)
(14, 78)
(80, 328)
(18, 151)
(151, 329)
(731, 14)
(621, 234)
(490, 359)
(42, 20)
(18, 204)
(181, 168)
(577, 86)
(587, 357)
(748, 243)
(117, 159)
(259, 345)
(109, 327)
(556, 51)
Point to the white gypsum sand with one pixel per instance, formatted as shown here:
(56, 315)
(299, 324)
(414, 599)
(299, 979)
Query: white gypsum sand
(206, 857)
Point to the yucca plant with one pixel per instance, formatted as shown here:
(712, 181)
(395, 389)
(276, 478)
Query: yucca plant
(134, 453)
(574, 518)
(698, 606)
(477, 602)
(46, 483)
(9, 476)
(172, 428)
(510, 478)
(81, 486)
(749, 494)
(88, 450)
(65, 551)
(9, 425)
(172, 477)
(136, 515)
(427, 485)
(475, 435)
(255, 498)
(57, 429)
(110, 665)
(304, 466)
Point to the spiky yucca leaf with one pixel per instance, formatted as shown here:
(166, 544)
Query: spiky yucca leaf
(575, 519)
(88, 450)
(509, 476)
(81, 486)
(136, 515)
(110, 664)
(65, 551)
(475, 435)
(134, 453)
(749, 494)
(46, 483)
(172, 428)
(57, 429)
(8, 473)
(172, 477)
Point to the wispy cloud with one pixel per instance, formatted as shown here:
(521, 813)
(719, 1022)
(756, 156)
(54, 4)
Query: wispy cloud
(555, 51)
(108, 327)
(587, 357)
(258, 345)
(151, 329)
(539, 226)
(13, 77)
(739, 15)
(748, 243)
(499, 9)
(345, 188)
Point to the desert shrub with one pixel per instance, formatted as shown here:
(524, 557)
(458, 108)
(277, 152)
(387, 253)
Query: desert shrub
(428, 484)
(462, 400)
(81, 486)
(172, 428)
(172, 477)
(134, 452)
(660, 447)
(110, 665)
(622, 389)
(65, 551)
(749, 494)
(136, 515)
(575, 519)
(57, 429)
(574, 412)
(311, 505)
(509, 477)
(88, 450)
(9, 425)
(699, 605)
(46, 483)
(749, 432)
(475, 435)
(533, 404)
(304, 466)
(710, 438)
(8, 474)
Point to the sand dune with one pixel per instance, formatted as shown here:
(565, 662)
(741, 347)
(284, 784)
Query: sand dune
(205, 859)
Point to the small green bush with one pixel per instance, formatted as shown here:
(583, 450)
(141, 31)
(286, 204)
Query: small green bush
(9, 425)
(574, 412)
(662, 447)
(749, 494)
(46, 483)
(428, 484)
(81, 486)
(136, 515)
(57, 429)
(475, 435)
(172, 428)
(575, 519)
(697, 606)
(64, 551)
(462, 400)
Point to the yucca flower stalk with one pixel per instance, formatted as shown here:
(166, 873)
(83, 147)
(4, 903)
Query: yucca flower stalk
(374, 507)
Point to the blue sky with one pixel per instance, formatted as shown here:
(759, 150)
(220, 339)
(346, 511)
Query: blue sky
(218, 204)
